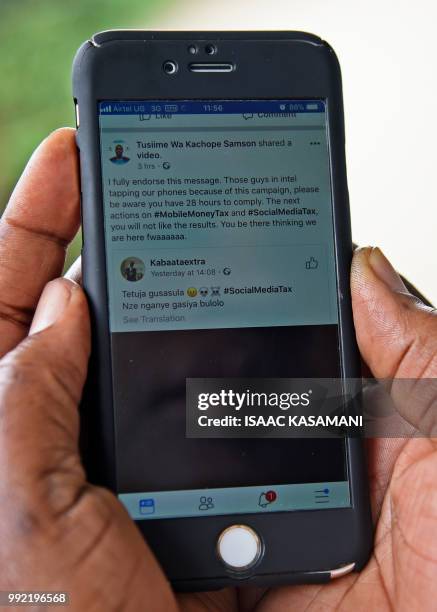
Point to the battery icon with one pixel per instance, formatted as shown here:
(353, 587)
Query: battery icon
(171, 108)
(314, 106)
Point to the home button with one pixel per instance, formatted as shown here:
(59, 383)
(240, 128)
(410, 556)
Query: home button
(239, 547)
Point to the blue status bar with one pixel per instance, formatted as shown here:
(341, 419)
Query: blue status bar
(197, 107)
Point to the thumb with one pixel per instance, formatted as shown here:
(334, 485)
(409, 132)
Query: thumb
(396, 332)
(41, 383)
(397, 337)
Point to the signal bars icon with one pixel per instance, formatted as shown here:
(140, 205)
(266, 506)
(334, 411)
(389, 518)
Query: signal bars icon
(106, 109)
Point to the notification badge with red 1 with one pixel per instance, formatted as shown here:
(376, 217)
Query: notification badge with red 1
(266, 498)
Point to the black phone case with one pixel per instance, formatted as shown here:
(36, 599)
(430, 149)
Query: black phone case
(308, 545)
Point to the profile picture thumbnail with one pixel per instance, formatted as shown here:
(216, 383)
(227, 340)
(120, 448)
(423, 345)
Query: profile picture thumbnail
(119, 147)
(132, 269)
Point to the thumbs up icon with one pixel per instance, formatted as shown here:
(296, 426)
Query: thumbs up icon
(312, 263)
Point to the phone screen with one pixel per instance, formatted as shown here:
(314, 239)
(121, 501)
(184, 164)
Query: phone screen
(220, 263)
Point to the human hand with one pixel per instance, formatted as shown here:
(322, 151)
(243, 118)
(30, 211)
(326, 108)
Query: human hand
(60, 533)
(397, 337)
(57, 532)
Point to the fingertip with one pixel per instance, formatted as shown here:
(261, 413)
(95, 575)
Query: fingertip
(82, 315)
(387, 318)
(54, 300)
(74, 272)
(61, 135)
(59, 145)
(376, 310)
(385, 271)
(62, 318)
(372, 271)
(360, 265)
(361, 255)
(363, 280)
(77, 307)
(63, 305)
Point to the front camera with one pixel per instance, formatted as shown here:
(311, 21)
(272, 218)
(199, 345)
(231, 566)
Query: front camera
(210, 49)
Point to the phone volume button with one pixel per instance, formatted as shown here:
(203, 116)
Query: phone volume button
(81, 220)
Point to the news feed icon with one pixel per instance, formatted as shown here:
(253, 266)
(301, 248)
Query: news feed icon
(147, 506)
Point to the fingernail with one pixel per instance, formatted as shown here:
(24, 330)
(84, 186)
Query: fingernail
(52, 304)
(385, 271)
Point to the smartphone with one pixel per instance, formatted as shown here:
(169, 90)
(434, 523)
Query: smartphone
(212, 169)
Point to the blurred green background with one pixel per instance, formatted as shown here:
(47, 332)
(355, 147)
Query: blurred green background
(38, 40)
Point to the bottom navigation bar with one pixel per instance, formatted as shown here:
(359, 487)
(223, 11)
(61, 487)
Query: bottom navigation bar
(240, 500)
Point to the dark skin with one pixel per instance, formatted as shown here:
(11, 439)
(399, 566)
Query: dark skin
(58, 532)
